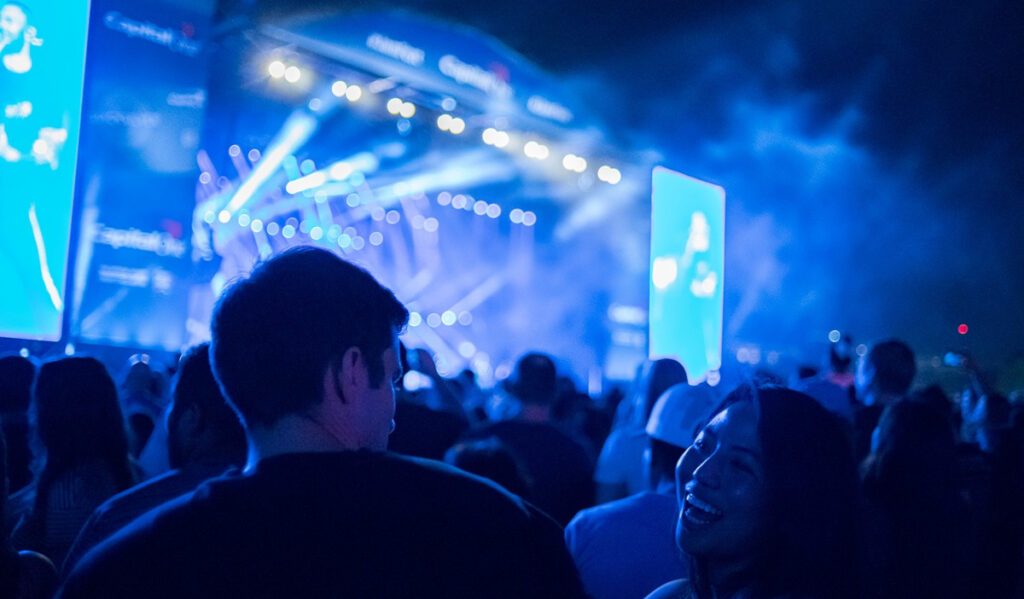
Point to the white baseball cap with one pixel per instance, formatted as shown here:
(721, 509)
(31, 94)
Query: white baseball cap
(678, 412)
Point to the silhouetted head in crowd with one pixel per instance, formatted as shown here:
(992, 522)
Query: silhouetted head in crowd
(16, 374)
(912, 455)
(491, 459)
(76, 418)
(311, 339)
(534, 380)
(767, 498)
(674, 421)
(201, 426)
(885, 373)
(934, 397)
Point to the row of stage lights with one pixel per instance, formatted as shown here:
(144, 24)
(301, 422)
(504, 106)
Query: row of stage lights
(449, 123)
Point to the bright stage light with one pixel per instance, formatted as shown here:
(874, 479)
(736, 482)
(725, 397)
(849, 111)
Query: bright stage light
(338, 88)
(535, 150)
(308, 182)
(493, 210)
(609, 174)
(458, 126)
(572, 162)
(224, 216)
(292, 74)
(353, 93)
(480, 207)
(276, 69)
(407, 109)
(516, 216)
(444, 122)
(529, 218)
(448, 104)
(340, 170)
(394, 106)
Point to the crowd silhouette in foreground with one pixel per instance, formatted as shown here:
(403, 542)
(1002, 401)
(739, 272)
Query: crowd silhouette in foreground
(288, 460)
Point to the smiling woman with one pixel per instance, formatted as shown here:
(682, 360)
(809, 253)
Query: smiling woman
(767, 496)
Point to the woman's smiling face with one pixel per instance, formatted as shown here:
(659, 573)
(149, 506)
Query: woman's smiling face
(720, 482)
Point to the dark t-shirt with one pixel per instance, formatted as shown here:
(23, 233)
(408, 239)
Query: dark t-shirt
(346, 524)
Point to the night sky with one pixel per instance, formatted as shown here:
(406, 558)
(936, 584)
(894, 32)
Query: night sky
(872, 153)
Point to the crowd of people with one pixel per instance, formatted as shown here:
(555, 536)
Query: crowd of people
(287, 459)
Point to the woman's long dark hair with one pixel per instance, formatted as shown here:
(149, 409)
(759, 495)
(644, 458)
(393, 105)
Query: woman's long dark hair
(76, 418)
(809, 544)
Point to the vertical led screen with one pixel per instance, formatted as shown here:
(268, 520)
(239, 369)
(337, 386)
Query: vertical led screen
(144, 105)
(42, 61)
(687, 262)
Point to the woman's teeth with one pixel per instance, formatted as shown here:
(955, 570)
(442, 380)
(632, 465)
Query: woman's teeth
(700, 511)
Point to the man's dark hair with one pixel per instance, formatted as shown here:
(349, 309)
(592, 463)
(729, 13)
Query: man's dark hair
(194, 385)
(276, 332)
(893, 365)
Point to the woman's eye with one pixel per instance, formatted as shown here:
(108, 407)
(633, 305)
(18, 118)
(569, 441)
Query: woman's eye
(744, 466)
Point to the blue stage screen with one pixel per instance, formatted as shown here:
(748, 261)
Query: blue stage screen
(42, 63)
(687, 264)
(144, 105)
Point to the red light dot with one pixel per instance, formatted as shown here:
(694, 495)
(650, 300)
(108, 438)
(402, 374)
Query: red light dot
(962, 329)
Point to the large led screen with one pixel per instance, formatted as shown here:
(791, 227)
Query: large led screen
(687, 263)
(42, 61)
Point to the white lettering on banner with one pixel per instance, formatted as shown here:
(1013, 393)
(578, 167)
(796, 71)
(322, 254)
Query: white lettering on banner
(161, 244)
(475, 76)
(161, 280)
(410, 55)
(142, 119)
(195, 99)
(550, 110)
(162, 36)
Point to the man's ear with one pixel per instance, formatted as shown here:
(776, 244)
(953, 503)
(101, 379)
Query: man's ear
(348, 375)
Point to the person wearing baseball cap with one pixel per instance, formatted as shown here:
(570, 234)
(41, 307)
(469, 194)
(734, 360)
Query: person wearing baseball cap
(626, 548)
